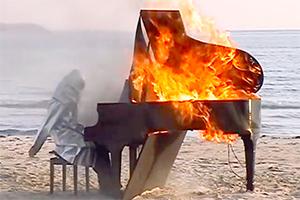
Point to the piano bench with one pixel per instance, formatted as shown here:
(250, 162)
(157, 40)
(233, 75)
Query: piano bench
(57, 160)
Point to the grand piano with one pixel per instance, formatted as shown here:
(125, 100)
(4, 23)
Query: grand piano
(139, 121)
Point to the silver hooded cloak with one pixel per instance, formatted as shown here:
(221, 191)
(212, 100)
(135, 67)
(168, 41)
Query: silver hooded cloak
(62, 125)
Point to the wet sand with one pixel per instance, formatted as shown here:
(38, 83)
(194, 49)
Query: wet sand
(201, 171)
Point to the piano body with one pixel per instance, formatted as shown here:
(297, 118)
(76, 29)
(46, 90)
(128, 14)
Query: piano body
(131, 122)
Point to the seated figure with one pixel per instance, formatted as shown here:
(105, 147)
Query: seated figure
(62, 125)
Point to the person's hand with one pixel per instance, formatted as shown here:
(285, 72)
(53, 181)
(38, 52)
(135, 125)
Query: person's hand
(80, 128)
(32, 151)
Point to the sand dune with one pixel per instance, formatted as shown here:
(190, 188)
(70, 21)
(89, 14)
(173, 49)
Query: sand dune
(200, 171)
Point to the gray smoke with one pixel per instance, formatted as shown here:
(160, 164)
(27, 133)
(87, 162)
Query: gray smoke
(33, 55)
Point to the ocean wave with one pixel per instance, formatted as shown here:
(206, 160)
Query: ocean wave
(18, 132)
(26, 104)
(276, 106)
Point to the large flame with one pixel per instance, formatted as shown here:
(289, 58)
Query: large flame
(192, 74)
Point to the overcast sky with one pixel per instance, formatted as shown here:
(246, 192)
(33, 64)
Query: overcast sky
(122, 14)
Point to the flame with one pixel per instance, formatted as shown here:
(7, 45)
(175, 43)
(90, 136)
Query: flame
(203, 26)
(189, 73)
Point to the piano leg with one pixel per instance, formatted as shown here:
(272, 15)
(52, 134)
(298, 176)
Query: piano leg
(132, 157)
(250, 145)
(103, 168)
(116, 156)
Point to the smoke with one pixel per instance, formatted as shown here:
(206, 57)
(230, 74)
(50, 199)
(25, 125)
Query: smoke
(96, 37)
(159, 4)
(104, 81)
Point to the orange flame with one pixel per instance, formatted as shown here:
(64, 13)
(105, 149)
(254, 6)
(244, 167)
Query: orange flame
(197, 75)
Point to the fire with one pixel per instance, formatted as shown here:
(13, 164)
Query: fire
(203, 26)
(179, 70)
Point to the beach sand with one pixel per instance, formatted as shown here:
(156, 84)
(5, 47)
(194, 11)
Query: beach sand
(201, 171)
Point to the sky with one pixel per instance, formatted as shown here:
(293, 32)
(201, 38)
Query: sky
(122, 14)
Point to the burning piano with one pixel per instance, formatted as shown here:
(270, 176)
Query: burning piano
(177, 84)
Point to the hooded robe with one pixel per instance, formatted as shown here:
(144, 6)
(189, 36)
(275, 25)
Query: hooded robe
(62, 125)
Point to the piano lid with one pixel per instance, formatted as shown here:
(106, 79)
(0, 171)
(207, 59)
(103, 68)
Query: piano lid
(243, 69)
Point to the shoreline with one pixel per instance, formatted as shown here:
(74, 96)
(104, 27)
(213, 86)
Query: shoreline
(32, 132)
(201, 171)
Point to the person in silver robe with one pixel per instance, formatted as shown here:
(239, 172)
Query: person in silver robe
(62, 125)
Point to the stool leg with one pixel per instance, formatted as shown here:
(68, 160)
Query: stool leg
(51, 176)
(75, 174)
(64, 167)
(87, 179)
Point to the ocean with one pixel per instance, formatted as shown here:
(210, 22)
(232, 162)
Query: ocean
(31, 64)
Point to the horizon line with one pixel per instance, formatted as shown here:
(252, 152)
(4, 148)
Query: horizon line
(91, 29)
